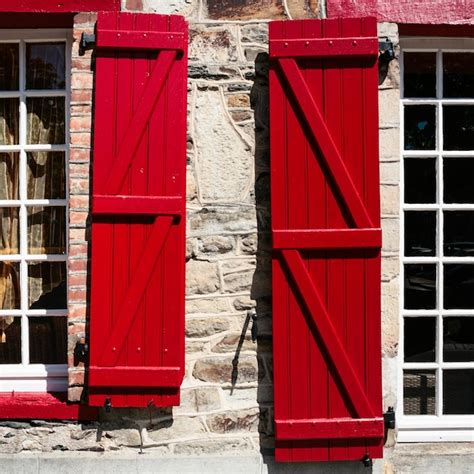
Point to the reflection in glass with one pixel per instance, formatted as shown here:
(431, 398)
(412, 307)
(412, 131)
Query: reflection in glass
(419, 392)
(9, 175)
(46, 230)
(458, 75)
(420, 286)
(419, 74)
(9, 285)
(458, 286)
(420, 339)
(48, 340)
(9, 230)
(9, 78)
(459, 233)
(458, 339)
(458, 392)
(46, 175)
(420, 180)
(458, 127)
(420, 127)
(47, 285)
(458, 184)
(45, 120)
(45, 66)
(10, 340)
(9, 116)
(420, 233)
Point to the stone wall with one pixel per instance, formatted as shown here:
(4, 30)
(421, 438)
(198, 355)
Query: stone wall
(226, 404)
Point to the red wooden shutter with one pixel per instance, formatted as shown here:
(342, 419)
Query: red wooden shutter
(326, 239)
(138, 211)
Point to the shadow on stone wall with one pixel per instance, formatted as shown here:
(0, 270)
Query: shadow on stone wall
(262, 318)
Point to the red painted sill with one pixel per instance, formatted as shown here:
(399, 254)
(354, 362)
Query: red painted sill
(43, 406)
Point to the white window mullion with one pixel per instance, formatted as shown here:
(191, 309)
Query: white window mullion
(25, 355)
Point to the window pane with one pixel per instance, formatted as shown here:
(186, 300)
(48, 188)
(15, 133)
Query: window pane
(10, 340)
(47, 230)
(420, 180)
(9, 116)
(48, 340)
(458, 180)
(9, 286)
(458, 286)
(420, 233)
(420, 286)
(9, 78)
(47, 285)
(9, 175)
(46, 175)
(419, 392)
(458, 339)
(458, 74)
(420, 127)
(9, 243)
(419, 74)
(45, 120)
(458, 127)
(420, 339)
(458, 392)
(45, 66)
(459, 233)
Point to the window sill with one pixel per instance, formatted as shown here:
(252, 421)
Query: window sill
(43, 406)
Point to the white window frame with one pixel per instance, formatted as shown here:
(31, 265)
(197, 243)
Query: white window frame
(27, 377)
(438, 427)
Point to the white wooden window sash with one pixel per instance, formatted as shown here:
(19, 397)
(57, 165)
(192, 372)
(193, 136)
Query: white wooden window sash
(26, 377)
(438, 427)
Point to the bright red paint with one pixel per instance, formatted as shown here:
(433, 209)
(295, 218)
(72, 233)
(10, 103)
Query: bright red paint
(326, 240)
(430, 12)
(43, 406)
(138, 208)
(58, 6)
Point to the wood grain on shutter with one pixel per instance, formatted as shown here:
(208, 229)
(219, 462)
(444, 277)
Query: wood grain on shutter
(326, 239)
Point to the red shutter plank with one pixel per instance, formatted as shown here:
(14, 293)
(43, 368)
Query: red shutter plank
(138, 212)
(326, 240)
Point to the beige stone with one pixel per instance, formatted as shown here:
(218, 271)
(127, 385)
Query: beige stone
(216, 244)
(205, 305)
(174, 428)
(201, 277)
(389, 107)
(390, 200)
(389, 144)
(212, 45)
(231, 342)
(203, 327)
(390, 234)
(213, 446)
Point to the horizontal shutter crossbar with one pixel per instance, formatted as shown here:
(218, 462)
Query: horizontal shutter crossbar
(329, 428)
(135, 376)
(144, 205)
(324, 47)
(327, 239)
(140, 40)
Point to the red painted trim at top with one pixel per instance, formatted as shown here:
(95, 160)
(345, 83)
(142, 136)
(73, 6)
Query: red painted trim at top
(459, 31)
(58, 6)
(43, 406)
(36, 20)
(429, 12)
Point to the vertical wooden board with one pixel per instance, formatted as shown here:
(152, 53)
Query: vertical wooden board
(156, 167)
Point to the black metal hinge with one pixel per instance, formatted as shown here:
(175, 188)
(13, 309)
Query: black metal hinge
(389, 419)
(386, 51)
(87, 42)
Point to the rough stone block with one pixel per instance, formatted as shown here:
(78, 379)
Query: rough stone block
(179, 427)
(244, 9)
(390, 200)
(203, 327)
(243, 303)
(389, 107)
(216, 244)
(220, 148)
(254, 33)
(222, 219)
(219, 369)
(234, 422)
(231, 342)
(303, 8)
(212, 446)
(201, 277)
(390, 234)
(212, 45)
(204, 305)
